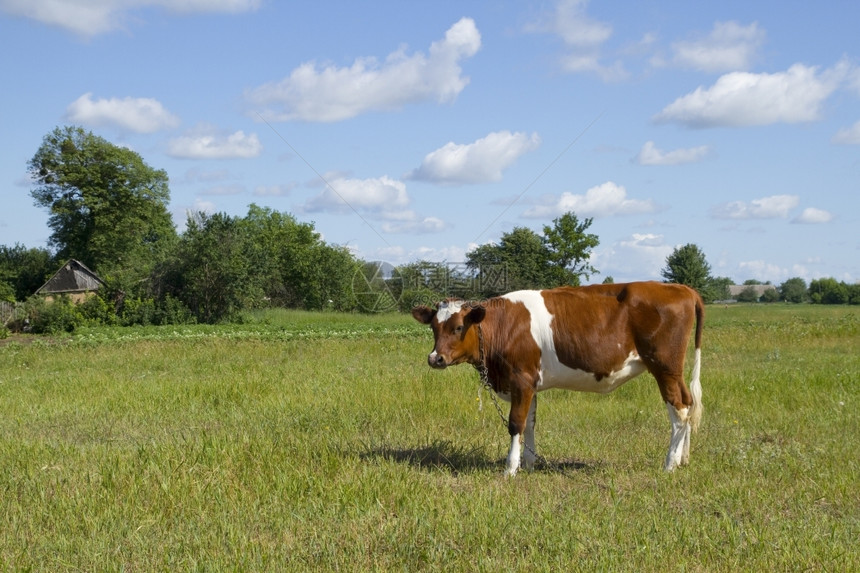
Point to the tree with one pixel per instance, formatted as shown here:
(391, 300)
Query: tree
(828, 291)
(687, 266)
(225, 264)
(24, 270)
(107, 207)
(521, 260)
(770, 295)
(296, 267)
(570, 249)
(718, 289)
(211, 273)
(793, 290)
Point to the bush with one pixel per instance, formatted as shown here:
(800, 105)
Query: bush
(148, 311)
(137, 311)
(55, 317)
(770, 295)
(171, 310)
(96, 311)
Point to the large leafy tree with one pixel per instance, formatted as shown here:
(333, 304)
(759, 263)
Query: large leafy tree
(225, 264)
(828, 291)
(570, 248)
(299, 268)
(793, 290)
(520, 260)
(687, 265)
(524, 259)
(211, 272)
(107, 207)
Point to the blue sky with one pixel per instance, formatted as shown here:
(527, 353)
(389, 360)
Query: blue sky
(411, 131)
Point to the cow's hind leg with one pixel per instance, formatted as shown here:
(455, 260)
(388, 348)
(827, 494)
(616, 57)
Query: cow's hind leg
(679, 404)
(679, 445)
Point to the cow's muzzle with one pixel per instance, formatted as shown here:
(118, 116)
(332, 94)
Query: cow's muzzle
(436, 360)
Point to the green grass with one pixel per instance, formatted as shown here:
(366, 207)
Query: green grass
(301, 441)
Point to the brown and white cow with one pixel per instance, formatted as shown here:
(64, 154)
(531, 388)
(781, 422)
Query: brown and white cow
(588, 339)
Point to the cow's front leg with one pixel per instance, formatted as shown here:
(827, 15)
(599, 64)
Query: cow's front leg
(521, 403)
(530, 452)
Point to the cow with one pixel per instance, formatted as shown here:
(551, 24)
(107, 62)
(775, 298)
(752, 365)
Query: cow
(588, 339)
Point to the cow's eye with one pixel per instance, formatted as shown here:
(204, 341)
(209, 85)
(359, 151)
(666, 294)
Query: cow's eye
(458, 330)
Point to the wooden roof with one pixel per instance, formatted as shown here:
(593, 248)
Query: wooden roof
(74, 276)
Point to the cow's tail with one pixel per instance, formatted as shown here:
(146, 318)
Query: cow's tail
(696, 384)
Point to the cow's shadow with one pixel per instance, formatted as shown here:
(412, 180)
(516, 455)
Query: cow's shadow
(445, 455)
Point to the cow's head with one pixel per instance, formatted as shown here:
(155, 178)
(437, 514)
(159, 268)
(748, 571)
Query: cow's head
(455, 339)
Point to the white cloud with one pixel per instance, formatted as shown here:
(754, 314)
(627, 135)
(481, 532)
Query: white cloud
(331, 93)
(205, 143)
(380, 198)
(379, 195)
(637, 257)
(140, 115)
(418, 226)
(478, 162)
(583, 37)
(811, 215)
(762, 270)
(88, 18)
(848, 135)
(605, 200)
(453, 254)
(577, 63)
(651, 155)
(574, 26)
(744, 99)
(729, 47)
(773, 207)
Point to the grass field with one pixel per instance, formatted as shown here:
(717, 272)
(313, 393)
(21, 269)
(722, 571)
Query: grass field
(300, 441)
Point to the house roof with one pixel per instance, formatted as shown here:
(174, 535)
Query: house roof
(74, 276)
(759, 290)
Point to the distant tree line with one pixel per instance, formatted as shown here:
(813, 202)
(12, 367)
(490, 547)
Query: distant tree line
(108, 209)
(688, 265)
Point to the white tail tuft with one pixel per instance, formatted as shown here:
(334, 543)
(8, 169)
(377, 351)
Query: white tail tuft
(696, 390)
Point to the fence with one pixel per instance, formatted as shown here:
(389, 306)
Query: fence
(9, 311)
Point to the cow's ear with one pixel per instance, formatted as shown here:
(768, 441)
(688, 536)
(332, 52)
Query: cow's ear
(423, 314)
(475, 315)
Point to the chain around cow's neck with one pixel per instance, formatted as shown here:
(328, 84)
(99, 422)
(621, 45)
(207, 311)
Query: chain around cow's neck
(481, 367)
(484, 374)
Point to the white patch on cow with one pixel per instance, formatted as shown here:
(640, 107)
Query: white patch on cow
(514, 456)
(554, 374)
(447, 309)
(679, 446)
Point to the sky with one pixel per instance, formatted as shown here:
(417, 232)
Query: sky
(413, 131)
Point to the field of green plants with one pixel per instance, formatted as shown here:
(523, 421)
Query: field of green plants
(302, 441)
